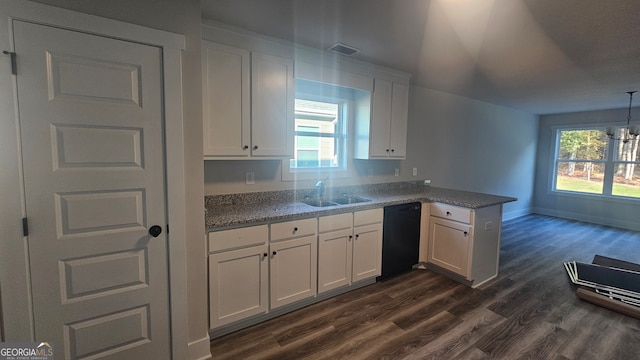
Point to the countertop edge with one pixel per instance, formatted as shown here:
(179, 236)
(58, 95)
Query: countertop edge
(233, 216)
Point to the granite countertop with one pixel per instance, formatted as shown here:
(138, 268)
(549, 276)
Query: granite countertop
(226, 211)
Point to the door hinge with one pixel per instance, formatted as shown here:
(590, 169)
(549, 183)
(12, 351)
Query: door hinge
(25, 227)
(14, 63)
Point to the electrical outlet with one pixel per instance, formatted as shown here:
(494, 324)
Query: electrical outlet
(415, 171)
(427, 182)
(397, 172)
(488, 225)
(251, 179)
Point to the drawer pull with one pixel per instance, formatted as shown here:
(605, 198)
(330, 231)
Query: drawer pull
(295, 229)
(448, 213)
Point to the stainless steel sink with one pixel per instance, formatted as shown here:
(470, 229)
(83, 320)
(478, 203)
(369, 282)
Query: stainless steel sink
(335, 201)
(344, 200)
(320, 202)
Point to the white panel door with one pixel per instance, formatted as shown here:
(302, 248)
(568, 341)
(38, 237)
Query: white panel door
(367, 252)
(226, 94)
(238, 285)
(272, 103)
(294, 270)
(379, 146)
(449, 245)
(399, 117)
(91, 119)
(334, 259)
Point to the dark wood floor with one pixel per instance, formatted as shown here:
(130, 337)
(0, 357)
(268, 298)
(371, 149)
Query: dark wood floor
(529, 312)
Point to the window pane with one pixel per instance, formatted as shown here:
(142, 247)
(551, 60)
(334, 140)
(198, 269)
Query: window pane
(580, 176)
(627, 151)
(307, 158)
(626, 181)
(583, 145)
(323, 150)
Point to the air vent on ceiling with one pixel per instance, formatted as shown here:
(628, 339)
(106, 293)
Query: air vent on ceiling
(342, 49)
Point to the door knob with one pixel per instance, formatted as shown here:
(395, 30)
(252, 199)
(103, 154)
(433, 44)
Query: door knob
(155, 230)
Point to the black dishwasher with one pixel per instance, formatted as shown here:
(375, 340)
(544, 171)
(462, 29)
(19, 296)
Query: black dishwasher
(400, 239)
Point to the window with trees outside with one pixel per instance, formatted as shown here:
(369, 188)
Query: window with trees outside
(322, 114)
(587, 161)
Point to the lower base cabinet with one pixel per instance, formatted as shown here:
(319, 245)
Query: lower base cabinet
(349, 248)
(238, 278)
(465, 242)
(257, 269)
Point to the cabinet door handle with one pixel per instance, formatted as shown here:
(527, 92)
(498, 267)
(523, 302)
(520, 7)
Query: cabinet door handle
(255, 147)
(448, 213)
(350, 237)
(357, 235)
(265, 255)
(392, 150)
(465, 233)
(274, 253)
(245, 147)
(295, 229)
(387, 150)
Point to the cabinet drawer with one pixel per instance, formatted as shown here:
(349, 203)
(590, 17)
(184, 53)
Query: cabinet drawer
(238, 238)
(367, 217)
(452, 212)
(335, 222)
(293, 229)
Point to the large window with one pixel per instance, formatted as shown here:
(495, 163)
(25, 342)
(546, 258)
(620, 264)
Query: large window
(587, 161)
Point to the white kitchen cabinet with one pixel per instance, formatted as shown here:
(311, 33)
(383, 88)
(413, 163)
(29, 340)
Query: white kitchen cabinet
(238, 274)
(367, 244)
(294, 261)
(465, 242)
(450, 245)
(382, 133)
(349, 248)
(248, 100)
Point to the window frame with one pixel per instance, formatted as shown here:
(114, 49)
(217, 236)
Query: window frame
(610, 162)
(345, 124)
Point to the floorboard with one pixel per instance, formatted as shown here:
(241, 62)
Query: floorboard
(530, 311)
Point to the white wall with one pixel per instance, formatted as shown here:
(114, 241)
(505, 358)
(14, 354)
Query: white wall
(606, 211)
(470, 145)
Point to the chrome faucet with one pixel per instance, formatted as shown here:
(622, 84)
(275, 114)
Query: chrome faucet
(321, 187)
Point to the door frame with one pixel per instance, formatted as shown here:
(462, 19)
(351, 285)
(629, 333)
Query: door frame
(16, 315)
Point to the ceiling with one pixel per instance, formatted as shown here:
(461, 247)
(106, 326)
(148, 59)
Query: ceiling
(540, 56)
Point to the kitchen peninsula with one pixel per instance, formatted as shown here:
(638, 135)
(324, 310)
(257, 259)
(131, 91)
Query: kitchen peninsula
(271, 253)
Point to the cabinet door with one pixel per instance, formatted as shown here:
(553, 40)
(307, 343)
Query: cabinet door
(380, 126)
(238, 285)
(272, 103)
(449, 245)
(399, 114)
(226, 110)
(367, 252)
(293, 267)
(334, 259)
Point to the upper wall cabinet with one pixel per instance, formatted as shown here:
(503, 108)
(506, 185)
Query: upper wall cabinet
(248, 101)
(381, 123)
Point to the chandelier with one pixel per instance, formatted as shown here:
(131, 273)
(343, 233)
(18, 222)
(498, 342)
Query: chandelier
(628, 133)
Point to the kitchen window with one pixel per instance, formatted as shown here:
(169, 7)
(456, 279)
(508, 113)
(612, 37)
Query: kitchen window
(587, 162)
(322, 118)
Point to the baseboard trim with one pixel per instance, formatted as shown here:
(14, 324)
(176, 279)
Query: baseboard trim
(590, 219)
(200, 349)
